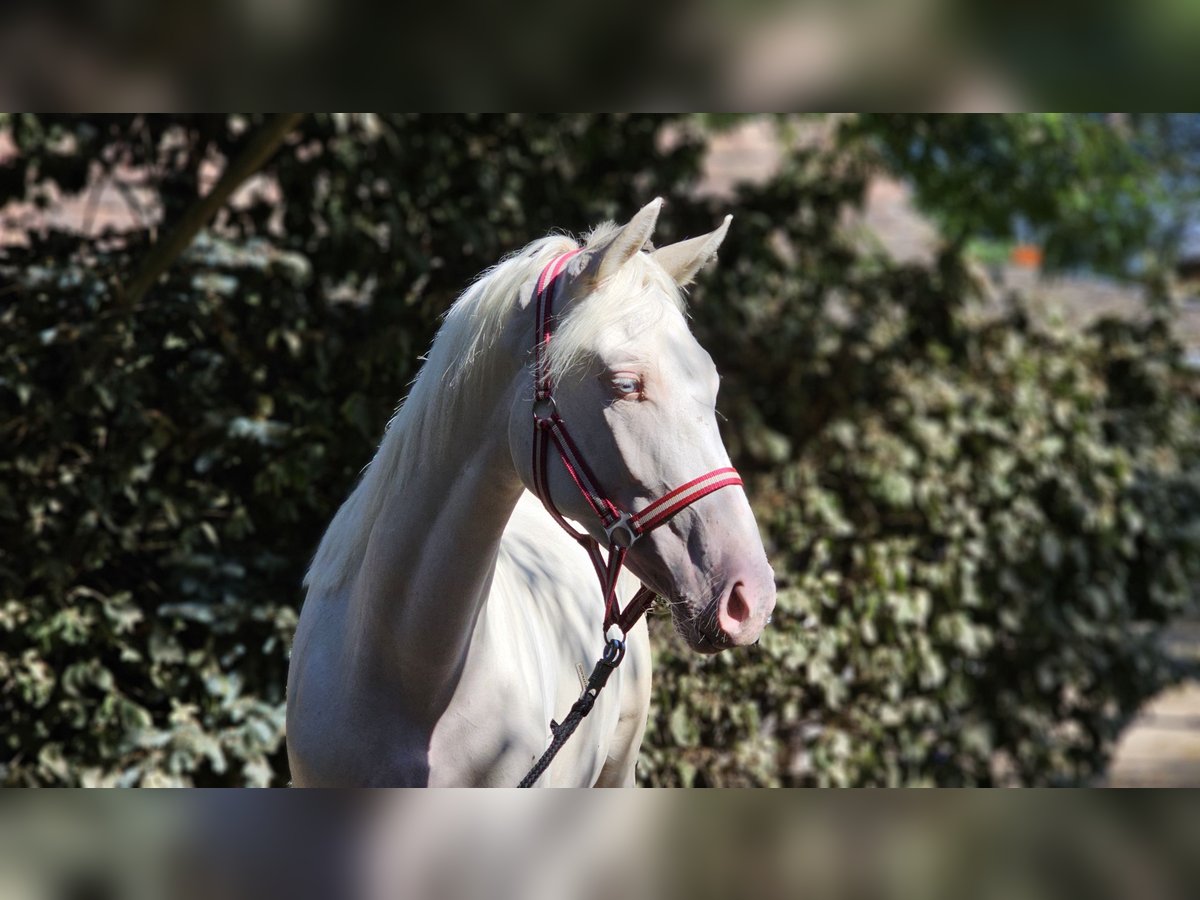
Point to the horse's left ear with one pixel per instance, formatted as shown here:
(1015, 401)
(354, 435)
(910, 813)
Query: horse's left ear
(684, 259)
(604, 261)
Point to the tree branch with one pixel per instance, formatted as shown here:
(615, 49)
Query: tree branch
(261, 146)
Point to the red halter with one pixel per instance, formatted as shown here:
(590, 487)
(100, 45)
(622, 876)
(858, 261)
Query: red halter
(623, 528)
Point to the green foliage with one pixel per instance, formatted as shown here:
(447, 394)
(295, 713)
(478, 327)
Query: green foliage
(1083, 190)
(147, 512)
(973, 565)
(976, 525)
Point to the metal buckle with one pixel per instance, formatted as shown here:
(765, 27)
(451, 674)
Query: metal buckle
(544, 409)
(621, 533)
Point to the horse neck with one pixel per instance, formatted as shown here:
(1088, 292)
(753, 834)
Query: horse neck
(432, 551)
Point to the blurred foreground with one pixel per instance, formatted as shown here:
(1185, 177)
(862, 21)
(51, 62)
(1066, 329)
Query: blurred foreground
(797, 54)
(558, 846)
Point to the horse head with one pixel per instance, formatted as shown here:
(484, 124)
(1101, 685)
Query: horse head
(639, 394)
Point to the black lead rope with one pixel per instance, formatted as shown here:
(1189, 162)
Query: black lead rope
(614, 652)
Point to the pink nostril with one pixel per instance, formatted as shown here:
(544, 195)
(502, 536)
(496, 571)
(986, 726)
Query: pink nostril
(734, 611)
(738, 608)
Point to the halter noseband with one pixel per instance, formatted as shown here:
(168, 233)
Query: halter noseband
(622, 528)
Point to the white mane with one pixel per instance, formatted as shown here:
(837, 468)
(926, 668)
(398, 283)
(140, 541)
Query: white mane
(460, 360)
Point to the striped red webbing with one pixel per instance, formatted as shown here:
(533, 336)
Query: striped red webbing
(550, 429)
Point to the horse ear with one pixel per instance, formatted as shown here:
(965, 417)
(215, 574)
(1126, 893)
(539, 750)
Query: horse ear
(684, 259)
(606, 260)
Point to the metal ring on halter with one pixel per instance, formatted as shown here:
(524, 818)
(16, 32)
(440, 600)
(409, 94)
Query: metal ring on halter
(621, 532)
(544, 409)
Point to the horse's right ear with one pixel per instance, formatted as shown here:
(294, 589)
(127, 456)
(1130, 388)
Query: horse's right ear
(602, 262)
(683, 260)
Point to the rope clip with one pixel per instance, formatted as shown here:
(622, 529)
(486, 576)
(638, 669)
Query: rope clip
(614, 652)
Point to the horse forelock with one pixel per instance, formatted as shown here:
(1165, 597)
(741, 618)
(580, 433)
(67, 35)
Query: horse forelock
(636, 297)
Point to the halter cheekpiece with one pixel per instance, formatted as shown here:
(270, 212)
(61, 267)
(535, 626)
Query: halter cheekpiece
(622, 528)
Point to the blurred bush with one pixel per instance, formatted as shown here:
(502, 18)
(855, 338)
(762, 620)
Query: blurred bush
(978, 523)
(976, 540)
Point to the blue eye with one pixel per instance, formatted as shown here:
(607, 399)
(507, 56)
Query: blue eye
(626, 385)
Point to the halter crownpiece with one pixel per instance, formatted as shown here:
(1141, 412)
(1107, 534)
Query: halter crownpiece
(622, 528)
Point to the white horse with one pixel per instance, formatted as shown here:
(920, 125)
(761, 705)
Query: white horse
(447, 615)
